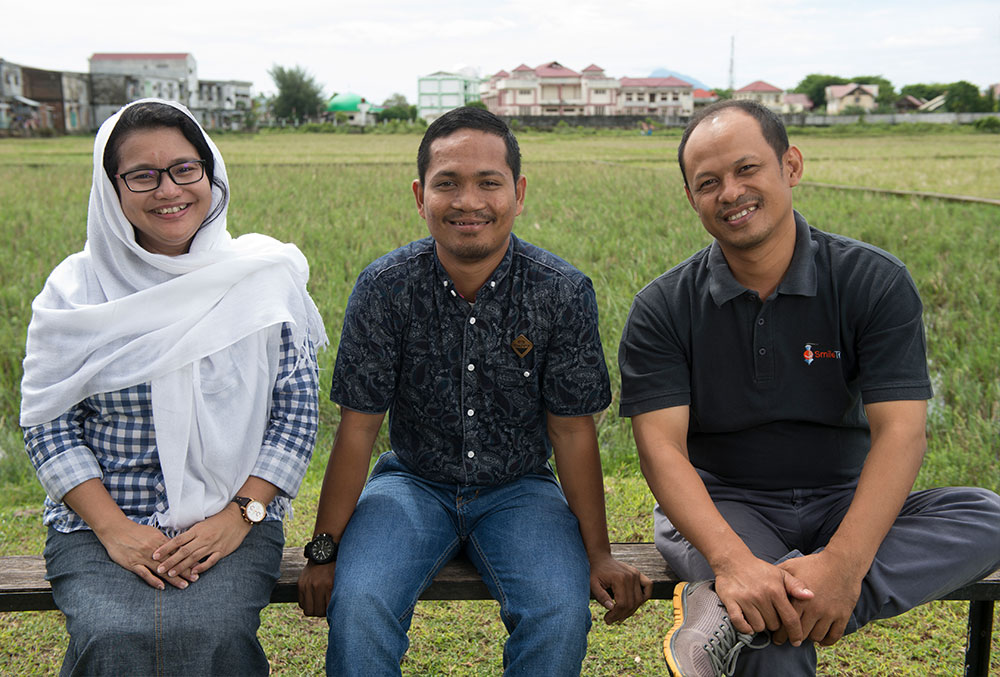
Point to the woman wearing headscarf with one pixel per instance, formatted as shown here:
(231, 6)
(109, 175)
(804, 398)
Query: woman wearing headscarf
(169, 406)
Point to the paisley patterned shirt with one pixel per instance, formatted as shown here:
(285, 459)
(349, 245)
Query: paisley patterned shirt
(467, 385)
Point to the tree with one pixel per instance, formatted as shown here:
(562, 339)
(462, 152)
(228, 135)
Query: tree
(396, 107)
(814, 86)
(923, 91)
(299, 96)
(964, 97)
(723, 94)
(476, 104)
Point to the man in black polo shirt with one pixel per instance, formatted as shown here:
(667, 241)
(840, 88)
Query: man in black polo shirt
(485, 350)
(777, 385)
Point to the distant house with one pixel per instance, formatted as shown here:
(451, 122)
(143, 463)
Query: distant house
(442, 91)
(908, 103)
(223, 104)
(763, 93)
(551, 89)
(933, 104)
(796, 103)
(702, 98)
(853, 95)
(359, 112)
(662, 97)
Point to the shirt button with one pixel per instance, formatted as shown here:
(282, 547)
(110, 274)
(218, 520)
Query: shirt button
(453, 293)
(472, 320)
(471, 367)
(471, 454)
(446, 283)
(760, 322)
(527, 374)
(762, 351)
(471, 412)
(493, 283)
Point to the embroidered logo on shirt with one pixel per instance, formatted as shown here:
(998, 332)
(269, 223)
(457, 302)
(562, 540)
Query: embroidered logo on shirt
(521, 345)
(813, 353)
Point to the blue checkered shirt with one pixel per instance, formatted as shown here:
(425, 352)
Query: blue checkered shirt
(110, 436)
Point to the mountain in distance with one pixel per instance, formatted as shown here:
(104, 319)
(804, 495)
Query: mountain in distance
(666, 73)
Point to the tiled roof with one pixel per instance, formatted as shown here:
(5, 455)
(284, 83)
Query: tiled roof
(758, 86)
(654, 82)
(703, 95)
(523, 67)
(593, 67)
(124, 55)
(801, 99)
(554, 69)
(840, 91)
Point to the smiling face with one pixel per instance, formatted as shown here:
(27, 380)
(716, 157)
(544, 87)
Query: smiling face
(469, 198)
(740, 189)
(166, 219)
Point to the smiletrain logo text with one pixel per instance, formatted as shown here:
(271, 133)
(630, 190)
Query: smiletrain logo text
(812, 353)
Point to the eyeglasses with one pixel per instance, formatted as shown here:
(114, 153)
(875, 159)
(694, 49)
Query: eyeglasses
(182, 173)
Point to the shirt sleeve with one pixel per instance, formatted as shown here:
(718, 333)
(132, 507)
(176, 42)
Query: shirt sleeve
(892, 347)
(61, 459)
(365, 373)
(652, 359)
(291, 433)
(576, 381)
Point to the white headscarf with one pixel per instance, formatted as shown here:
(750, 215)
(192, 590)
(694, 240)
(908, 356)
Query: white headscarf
(202, 327)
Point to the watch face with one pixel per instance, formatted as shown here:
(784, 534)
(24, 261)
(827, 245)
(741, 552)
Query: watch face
(255, 511)
(322, 550)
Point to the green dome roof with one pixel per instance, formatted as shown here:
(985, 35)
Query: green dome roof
(346, 102)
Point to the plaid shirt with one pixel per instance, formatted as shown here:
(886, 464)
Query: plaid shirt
(110, 436)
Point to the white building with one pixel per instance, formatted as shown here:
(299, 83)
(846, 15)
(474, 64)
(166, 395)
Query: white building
(166, 76)
(442, 91)
(659, 97)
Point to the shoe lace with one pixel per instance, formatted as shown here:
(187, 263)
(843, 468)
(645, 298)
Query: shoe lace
(725, 644)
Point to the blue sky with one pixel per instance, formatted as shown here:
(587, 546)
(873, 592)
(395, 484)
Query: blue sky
(377, 47)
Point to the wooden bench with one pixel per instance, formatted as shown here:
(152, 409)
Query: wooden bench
(23, 588)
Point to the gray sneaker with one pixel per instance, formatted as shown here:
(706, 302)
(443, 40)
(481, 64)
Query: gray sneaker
(702, 641)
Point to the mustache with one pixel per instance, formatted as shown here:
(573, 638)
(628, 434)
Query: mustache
(742, 200)
(466, 216)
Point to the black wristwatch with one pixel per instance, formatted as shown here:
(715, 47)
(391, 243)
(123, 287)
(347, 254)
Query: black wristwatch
(321, 549)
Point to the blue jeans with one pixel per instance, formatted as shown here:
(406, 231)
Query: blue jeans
(118, 625)
(943, 539)
(522, 538)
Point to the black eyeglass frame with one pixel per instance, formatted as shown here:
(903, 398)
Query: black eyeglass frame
(159, 177)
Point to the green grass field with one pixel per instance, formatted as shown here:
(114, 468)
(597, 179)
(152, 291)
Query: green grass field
(612, 205)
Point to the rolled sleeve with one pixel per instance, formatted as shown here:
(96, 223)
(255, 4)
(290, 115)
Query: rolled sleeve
(61, 459)
(291, 434)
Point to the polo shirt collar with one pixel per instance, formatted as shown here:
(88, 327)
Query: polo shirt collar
(800, 279)
(495, 278)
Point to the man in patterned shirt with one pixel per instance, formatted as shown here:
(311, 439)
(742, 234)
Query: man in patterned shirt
(485, 350)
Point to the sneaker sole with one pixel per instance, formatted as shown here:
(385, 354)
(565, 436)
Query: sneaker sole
(680, 602)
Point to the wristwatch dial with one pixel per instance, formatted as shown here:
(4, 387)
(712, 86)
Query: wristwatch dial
(255, 511)
(321, 550)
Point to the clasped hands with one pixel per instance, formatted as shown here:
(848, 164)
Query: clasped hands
(149, 554)
(809, 597)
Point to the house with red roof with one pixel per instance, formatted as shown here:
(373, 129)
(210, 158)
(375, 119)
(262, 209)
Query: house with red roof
(796, 103)
(551, 89)
(852, 95)
(662, 97)
(763, 93)
(703, 97)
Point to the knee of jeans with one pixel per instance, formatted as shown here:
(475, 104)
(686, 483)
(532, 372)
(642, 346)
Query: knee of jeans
(353, 607)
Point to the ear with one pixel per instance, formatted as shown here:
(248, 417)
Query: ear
(519, 188)
(793, 161)
(418, 194)
(687, 191)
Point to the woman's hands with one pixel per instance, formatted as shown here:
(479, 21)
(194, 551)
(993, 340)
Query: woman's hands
(200, 547)
(131, 546)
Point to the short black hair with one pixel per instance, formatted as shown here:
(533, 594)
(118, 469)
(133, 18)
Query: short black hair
(468, 118)
(771, 126)
(154, 115)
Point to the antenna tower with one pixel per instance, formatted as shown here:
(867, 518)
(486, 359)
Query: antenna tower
(732, 52)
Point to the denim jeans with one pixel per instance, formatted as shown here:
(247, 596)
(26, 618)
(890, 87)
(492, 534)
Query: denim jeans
(119, 625)
(943, 539)
(522, 538)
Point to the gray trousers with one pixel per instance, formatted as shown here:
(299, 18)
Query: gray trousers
(943, 539)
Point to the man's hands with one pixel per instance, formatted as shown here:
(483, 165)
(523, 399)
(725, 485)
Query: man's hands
(629, 588)
(315, 587)
(761, 596)
(836, 590)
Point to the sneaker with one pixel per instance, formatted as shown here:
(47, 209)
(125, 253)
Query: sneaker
(703, 641)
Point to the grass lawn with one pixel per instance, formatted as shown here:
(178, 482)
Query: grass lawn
(613, 206)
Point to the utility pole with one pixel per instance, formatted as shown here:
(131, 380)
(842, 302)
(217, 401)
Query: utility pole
(732, 52)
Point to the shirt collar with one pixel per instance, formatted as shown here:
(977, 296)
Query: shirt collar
(492, 282)
(800, 278)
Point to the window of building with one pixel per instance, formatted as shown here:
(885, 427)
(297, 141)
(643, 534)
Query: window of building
(676, 97)
(599, 110)
(640, 96)
(600, 92)
(524, 92)
(628, 96)
(524, 110)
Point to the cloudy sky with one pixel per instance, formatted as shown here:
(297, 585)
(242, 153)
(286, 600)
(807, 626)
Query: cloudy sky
(378, 47)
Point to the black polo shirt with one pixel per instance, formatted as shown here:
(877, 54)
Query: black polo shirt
(776, 389)
(468, 385)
